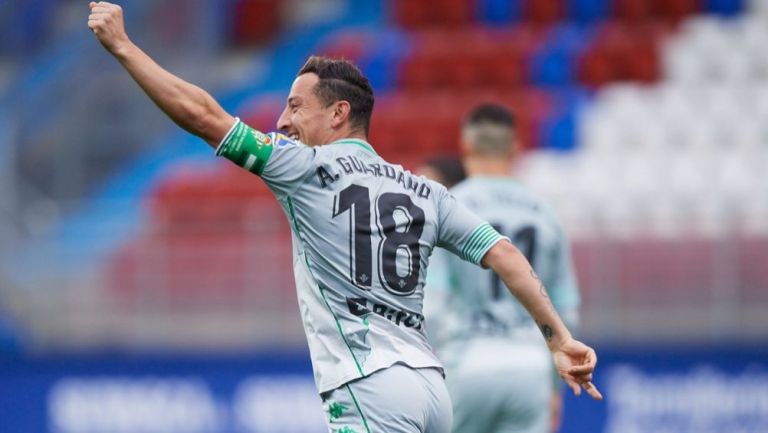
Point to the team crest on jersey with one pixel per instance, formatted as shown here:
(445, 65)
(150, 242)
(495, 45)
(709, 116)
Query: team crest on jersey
(282, 140)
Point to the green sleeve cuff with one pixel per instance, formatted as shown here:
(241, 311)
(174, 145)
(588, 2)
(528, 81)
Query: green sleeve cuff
(479, 242)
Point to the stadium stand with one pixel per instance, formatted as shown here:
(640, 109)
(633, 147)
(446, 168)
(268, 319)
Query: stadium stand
(643, 121)
(654, 154)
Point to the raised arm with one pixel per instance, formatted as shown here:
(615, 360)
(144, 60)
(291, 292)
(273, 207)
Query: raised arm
(574, 360)
(187, 105)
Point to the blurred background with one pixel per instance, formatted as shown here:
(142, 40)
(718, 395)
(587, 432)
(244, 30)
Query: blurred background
(146, 286)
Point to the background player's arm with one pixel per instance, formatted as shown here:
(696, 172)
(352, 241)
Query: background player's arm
(187, 105)
(574, 360)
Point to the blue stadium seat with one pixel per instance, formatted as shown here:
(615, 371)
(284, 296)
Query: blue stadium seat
(554, 65)
(499, 12)
(24, 25)
(724, 7)
(381, 64)
(558, 130)
(588, 11)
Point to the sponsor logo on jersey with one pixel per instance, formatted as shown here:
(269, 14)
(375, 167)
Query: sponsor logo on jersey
(362, 307)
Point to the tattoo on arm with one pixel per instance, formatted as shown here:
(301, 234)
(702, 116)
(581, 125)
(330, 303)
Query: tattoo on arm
(546, 331)
(542, 289)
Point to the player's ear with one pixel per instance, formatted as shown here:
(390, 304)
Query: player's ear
(340, 113)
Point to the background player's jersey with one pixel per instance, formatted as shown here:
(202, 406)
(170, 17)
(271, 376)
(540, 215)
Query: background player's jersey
(466, 301)
(363, 231)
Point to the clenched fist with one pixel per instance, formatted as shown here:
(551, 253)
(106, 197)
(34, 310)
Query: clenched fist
(106, 22)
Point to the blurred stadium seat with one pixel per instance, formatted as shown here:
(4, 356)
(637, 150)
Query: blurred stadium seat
(632, 103)
(642, 121)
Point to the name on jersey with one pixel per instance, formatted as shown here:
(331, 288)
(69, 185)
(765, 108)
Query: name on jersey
(350, 164)
(362, 306)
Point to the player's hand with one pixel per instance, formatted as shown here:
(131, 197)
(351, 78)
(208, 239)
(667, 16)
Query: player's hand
(106, 22)
(575, 362)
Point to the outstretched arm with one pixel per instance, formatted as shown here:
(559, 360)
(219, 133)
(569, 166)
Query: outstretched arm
(574, 360)
(187, 105)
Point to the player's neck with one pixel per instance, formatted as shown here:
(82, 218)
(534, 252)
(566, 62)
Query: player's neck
(346, 135)
(484, 166)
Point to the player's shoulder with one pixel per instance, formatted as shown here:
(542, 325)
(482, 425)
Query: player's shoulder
(466, 186)
(544, 208)
(479, 187)
(501, 191)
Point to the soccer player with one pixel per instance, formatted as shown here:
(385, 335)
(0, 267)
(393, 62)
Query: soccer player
(496, 365)
(363, 230)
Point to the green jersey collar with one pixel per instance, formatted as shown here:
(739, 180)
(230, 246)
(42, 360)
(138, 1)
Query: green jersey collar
(358, 142)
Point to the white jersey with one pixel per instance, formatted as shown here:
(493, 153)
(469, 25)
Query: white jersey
(363, 231)
(464, 302)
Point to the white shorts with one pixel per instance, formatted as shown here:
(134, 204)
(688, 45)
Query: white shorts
(398, 399)
(499, 386)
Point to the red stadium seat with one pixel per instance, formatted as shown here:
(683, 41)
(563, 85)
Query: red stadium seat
(681, 271)
(469, 60)
(453, 13)
(677, 10)
(264, 112)
(544, 12)
(634, 10)
(420, 14)
(411, 14)
(751, 267)
(349, 45)
(595, 68)
(207, 226)
(673, 11)
(255, 22)
(622, 52)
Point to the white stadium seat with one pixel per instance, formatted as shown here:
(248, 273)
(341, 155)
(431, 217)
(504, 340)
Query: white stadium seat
(685, 156)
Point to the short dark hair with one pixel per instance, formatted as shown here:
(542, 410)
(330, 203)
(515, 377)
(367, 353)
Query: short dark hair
(449, 167)
(490, 113)
(340, 80)
(490, 129)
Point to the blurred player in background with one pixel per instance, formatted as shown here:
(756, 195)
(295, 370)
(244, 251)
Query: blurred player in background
(445, 169)
(363, 230)
(497, 368)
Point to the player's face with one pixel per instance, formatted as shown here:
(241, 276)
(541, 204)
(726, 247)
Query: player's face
(305, 117)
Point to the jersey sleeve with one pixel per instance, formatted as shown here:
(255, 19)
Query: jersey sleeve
(282, 163)
(462, 232)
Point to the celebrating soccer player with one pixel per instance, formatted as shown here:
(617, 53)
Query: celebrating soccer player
(363, 231)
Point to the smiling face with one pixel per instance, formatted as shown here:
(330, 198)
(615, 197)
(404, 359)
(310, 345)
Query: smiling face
(305, 117)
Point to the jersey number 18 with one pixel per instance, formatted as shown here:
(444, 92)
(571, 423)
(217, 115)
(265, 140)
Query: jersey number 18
(400, 224)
